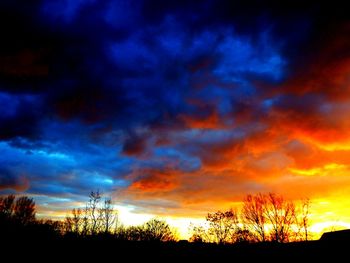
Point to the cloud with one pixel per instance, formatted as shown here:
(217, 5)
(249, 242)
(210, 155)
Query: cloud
(154, 180)
(20, 116)
(9, 180)
(135, 145)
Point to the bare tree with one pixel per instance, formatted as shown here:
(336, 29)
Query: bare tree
(199, 234)
(78, 223)
(264, 217)
(74, 223)
(303, 219)
(222, 226)
(117, 223)
(253, 215)
(281, 217)
(77, 220)
(272, 210)
(94, 215)
(108, 215)
(85, 221)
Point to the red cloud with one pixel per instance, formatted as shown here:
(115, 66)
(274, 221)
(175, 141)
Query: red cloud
(19, 184)
(154, 180)
(211, 121)
(327, 71)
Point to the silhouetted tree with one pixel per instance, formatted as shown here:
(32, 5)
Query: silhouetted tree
(264, 217)
(17, 218)
(281, 217)
(199, 234)
(135, 233)
(24, 210)
(157, 230)
(254, 216)
(85, 221)
(74, 223)
(153, 230)
(243, 235)
(108, 215)
(7, 206)
(77, 220)
(222, 226)
(93, 204)
(303, 219)
(95, 218)
(68, 224)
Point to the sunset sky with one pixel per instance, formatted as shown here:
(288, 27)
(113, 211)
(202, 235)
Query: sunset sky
(175, 108)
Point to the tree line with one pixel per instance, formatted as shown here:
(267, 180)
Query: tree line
(98, 217)
(262, 218)
(17, 211)
(18, 220)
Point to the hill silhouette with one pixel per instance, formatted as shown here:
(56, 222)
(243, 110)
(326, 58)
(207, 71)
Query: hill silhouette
(336, 236)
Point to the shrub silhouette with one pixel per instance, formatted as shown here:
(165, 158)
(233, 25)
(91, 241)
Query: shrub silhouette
(154, 230)
(157, 230)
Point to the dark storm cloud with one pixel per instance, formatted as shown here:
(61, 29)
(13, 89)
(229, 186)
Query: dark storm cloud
(93, 66)
(95, 69)
(20, 115)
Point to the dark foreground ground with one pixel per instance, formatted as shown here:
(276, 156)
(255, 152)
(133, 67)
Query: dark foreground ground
(99, 250)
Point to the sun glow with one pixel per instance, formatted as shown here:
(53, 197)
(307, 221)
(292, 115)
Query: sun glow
(324, 170)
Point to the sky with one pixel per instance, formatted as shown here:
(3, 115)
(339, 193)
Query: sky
(175, 108)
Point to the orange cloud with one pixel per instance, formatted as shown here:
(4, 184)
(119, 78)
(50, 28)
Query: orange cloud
(328, 169)
(155, 180)
(210, 121)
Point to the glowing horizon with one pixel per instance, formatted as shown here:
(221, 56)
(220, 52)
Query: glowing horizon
(324, 216)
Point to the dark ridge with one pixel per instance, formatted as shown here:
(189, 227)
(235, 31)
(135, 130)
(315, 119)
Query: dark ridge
(336, 236)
